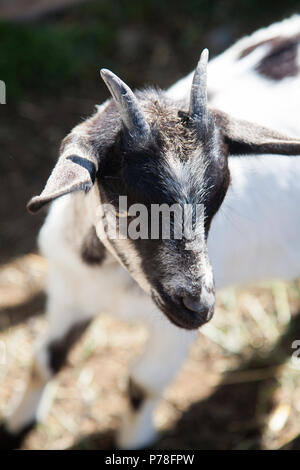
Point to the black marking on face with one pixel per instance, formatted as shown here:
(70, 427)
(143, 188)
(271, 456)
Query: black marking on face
(136, 394)
(58, 349)
(281, 60)
(143, 172)
(93, 252)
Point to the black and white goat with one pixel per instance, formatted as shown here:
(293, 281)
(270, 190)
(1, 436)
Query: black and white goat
(169, 147)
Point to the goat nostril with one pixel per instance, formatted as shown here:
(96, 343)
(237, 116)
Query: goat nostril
(195, 305)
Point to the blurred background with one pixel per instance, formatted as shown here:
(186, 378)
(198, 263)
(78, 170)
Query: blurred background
(244, 391)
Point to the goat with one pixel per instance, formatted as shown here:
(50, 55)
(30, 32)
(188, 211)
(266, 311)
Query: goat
(164, 148)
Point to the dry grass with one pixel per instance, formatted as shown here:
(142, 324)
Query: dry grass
(238, 389)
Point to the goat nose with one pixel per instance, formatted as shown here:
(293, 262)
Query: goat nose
(195, 305)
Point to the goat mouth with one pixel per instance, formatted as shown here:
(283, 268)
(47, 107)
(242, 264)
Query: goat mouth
(181, 316)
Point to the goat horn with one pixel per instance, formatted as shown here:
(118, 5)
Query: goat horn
(128, 106)
(198, 102)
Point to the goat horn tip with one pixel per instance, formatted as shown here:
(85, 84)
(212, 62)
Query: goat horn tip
(106, 73)
(204, 54)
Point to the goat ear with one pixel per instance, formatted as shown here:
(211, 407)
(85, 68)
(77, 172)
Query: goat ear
(243, 137)
(73, 172)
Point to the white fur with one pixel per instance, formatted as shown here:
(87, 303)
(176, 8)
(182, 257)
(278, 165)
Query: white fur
(238, 89)
(256, 233)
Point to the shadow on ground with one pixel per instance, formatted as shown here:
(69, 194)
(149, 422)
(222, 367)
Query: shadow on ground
(234, 415)
(12, 316)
